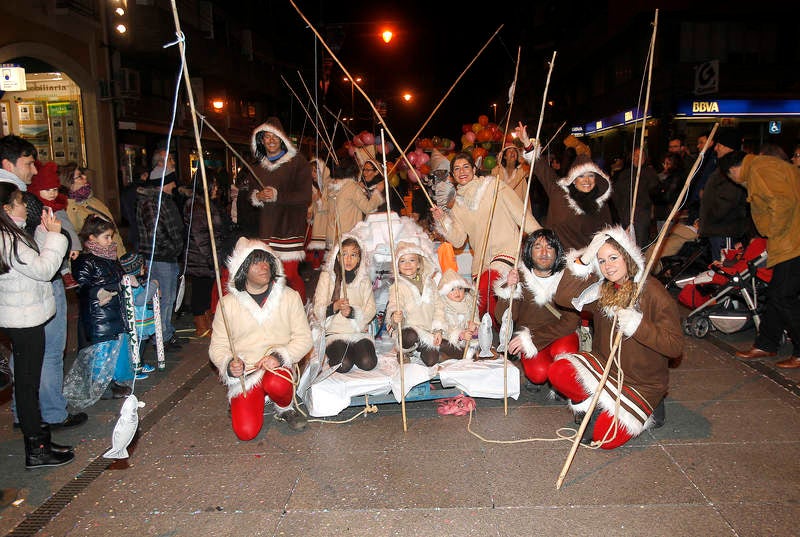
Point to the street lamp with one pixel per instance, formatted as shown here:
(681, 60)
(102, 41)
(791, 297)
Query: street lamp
(494, 107)
(356, 80)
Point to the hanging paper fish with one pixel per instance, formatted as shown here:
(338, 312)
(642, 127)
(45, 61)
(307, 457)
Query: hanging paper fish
(506, 328)
(125, 428)
(485, 336)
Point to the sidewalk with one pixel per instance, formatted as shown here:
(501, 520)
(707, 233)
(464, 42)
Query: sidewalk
(724, 464)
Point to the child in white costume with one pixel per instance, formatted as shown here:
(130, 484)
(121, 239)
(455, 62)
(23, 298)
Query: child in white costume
(452, 326)
(412, 300)
(346, 313)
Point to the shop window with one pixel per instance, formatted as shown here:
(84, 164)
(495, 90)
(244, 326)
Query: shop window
(49, 115)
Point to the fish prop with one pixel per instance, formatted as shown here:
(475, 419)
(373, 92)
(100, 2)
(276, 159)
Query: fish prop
(485, 336)
(125, 428)
(506, 329)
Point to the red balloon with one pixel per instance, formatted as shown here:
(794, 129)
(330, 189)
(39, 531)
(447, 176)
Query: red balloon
(470, 136)
(483, 120)
(466, 127)
(483, 135)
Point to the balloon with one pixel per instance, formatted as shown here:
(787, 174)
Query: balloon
(484, 135)
(357, 141)
(413, 175)
(412, 157)
(389, 147)
(423, 158)
(510, 138)
(367, 138)
(394, 180)
(470, 136)
(483, 120)
(479, 152)
(466, 127)
(477, 127)
(436, 141)
(487, 145)
(424, 169)
(489, 162)
(498, 136)
(444, 143)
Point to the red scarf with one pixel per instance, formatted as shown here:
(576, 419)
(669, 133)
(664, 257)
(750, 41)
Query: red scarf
(57, 204)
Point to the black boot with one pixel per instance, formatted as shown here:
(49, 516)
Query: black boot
(39, 452)
(659, 415)
(57, 448)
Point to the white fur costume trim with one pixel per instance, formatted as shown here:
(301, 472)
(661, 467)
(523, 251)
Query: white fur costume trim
(528, 348)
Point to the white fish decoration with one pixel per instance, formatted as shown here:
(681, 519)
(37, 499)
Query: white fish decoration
(485, 336)
(506, 329)
(125, 428)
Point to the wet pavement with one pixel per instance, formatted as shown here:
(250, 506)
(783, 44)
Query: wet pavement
(724, 464)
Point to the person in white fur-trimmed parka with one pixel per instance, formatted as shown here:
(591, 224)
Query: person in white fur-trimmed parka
(270, 332)
(284, 199)
(345, 306)
(603, 279)
(452, 326)
(412, 299)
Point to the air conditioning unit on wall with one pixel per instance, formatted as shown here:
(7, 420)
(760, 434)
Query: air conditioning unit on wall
(128, 83)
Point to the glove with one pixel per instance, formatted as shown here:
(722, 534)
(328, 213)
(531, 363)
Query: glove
(104, 296)
(591, 251)
(629, 320)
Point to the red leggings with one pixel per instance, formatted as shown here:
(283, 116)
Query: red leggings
(291, 269)
(247, 413)
(486, 290)
(564, 379)
(536, 367)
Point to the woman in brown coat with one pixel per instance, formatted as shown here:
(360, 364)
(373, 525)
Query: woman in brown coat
(603, 280)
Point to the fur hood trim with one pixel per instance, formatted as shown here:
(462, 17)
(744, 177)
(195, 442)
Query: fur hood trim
(271, 127)
(582, 166)
(332, 259)
(542, 289)
(627, 243)
(244, 247)
(451, 280)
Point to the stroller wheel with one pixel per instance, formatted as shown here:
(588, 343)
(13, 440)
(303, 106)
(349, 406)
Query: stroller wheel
(687, 327)
(701, 327)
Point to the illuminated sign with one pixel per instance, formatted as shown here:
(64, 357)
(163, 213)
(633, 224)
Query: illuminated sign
(12, 78)
(738, 107)
(622, 118)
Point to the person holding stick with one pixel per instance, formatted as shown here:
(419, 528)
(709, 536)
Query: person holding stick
(345, 306)
(578, 202)
(604, 279)
(544, 330)
(469, 220)
(265, 324)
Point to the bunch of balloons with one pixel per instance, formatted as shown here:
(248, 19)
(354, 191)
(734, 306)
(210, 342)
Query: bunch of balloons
(369, 141)
(484, 140)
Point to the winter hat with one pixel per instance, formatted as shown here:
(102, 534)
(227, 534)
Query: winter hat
(132, 263)
(730, 137)
(452, 280)
(46, 178)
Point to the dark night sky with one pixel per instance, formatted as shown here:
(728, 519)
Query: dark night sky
(433, 44)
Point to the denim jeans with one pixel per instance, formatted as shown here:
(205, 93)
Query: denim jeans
(52, 403)
(167, 275)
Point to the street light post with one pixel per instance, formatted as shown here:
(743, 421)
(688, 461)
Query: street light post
(353, 82)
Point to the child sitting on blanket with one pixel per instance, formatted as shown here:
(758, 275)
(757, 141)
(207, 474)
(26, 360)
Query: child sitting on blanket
(412, 300)
(452, 326)
(346, 311)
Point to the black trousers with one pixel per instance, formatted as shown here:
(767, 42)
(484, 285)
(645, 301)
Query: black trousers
(28, 347)
(201, 294)
(782, 309)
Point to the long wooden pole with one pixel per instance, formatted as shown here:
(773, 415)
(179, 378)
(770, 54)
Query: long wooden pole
(308, 115)
(363, 94)
(525, 215)
(447, 94)
(188, 81)
(648, 267)
(644, 120)
(396, 287)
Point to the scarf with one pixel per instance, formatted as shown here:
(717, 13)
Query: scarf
(587, 201)
(349, 276)
(276, 157)
(106, 252)
(57, 204)
(416, 280)
(82, 194)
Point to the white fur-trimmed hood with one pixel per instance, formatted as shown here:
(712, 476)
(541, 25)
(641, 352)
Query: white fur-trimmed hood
(582, 166)
(270, 127)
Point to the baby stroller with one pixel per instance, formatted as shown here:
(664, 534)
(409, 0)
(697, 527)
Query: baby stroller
(728, 297)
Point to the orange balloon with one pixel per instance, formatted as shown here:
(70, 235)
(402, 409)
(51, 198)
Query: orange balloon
(424, 169)
(484, 135)
(479, 152)
(477, 127)
(483, 120)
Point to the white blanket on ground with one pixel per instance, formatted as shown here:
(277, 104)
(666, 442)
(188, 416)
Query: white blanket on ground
(477, 379)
